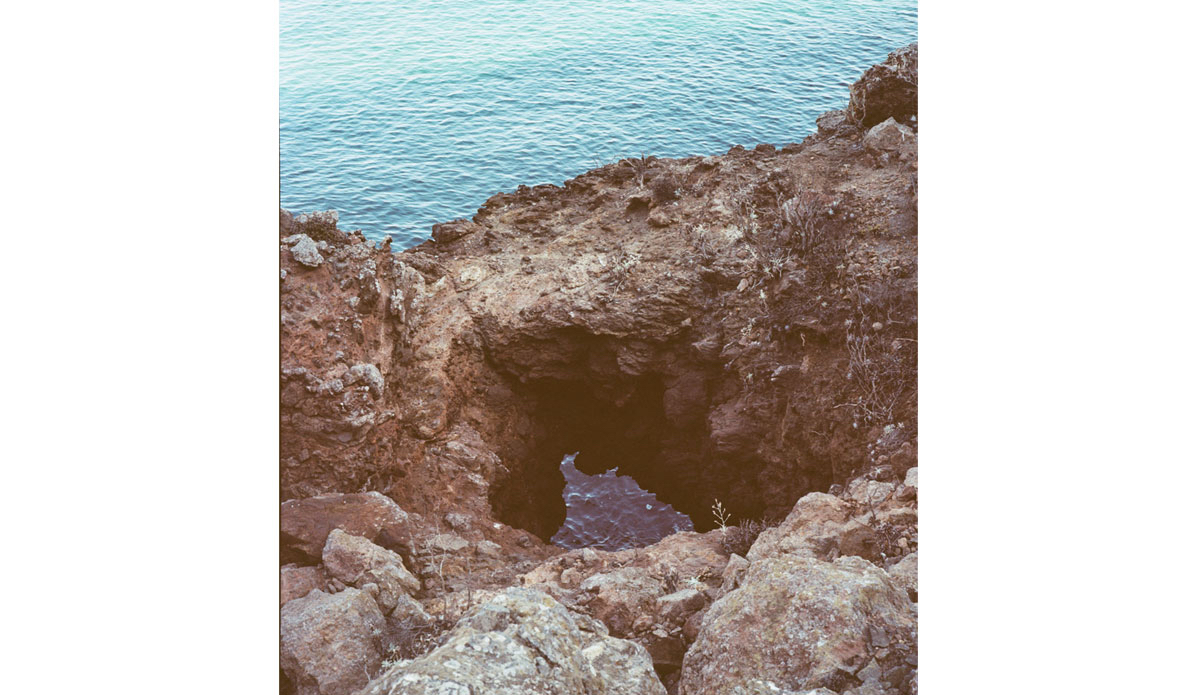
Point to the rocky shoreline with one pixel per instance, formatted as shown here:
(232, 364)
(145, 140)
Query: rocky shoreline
(739, 328)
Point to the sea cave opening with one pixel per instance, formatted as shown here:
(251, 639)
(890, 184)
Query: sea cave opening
(610, 511)
(606, 468)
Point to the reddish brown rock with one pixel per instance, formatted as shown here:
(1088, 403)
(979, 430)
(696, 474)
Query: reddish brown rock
(697, 339)
(330, 644)
(295, 581)
(358, 562)
(305, 524)
(888, 90)
(711, 325)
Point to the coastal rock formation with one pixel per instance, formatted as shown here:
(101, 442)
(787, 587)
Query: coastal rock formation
(522, 641)
(738, 328)
(798, 623)
(887, 90)
(745, 346)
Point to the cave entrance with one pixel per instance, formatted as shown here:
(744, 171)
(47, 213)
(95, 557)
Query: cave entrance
(610, 511)
(606, 445)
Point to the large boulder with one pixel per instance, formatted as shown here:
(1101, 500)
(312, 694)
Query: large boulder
(887, 90)
(330, 644)
(798, 623)
(304, 524)
(357, 562)
(819, 526)
(522, 641)
(889, 136)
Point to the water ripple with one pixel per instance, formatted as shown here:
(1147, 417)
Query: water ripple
(611, 512)
(403, 114)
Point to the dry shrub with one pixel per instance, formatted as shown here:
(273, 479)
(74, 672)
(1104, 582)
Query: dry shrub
(638, 167)
(319, 226)
(738, 539)
(882, 347)
(788, 227)
(666, 188)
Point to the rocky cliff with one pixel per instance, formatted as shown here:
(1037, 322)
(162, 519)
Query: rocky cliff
(739, 327)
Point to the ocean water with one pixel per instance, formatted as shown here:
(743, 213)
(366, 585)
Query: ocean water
(403, 113)
(611, 512)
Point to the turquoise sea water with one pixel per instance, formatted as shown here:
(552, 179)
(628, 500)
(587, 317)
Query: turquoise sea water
(403, 113)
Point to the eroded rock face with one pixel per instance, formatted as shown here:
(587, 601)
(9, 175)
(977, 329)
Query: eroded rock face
(709, 324)
(888, 90)
(799, 623)
(687, 320)
(522, 641)
(329, 643)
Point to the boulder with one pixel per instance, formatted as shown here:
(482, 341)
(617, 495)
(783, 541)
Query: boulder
(620, 597)
(305, 251)
(887, 90)
(869, 492)
(329, 644)
(831, 121)
(797, 623)
(357, 562)
(304, 524)
(889, 136)
(522, 641)
(296, 581)
(646, 594)
(814, 528)
(677, 607)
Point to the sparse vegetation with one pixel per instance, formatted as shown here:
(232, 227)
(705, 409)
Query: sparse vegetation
(639, 167)
(701, 239)
(319, 226)
(738, 539)
(883, 365)
(666, 188)
(720, 515)
(787, 227)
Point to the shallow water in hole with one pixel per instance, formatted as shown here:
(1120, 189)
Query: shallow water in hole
(610, 512)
